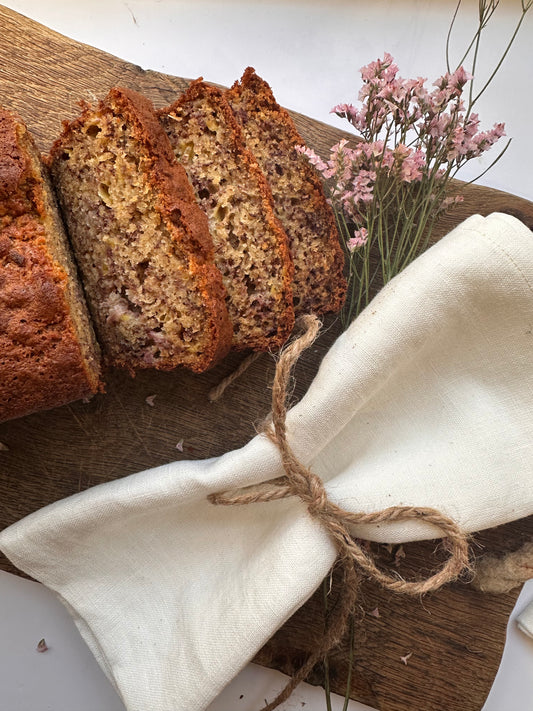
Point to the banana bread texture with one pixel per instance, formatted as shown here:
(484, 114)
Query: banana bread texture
(141, 241)
(251, 248)
(269, 131)
(48, 352)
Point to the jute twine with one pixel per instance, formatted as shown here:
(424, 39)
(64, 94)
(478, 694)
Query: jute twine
(300, 481)
(216, 392)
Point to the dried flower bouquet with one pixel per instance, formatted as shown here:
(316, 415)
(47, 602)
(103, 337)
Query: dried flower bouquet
(391, 184)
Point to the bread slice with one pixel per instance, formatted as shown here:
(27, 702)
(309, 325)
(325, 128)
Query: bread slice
(300, 204)
(140, 239)
(48, 352)
(251, 248)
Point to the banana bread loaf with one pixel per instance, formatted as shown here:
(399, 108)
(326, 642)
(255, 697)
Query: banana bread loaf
(48, 352)
(141, 241)
(319, 284)
(251, 248)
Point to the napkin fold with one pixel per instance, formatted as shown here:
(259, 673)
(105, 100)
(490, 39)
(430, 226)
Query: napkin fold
(425, 400)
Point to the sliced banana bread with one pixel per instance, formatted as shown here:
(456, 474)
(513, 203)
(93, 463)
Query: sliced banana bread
(141, 241)
(319, 284)
(48, 352)
(251, 248)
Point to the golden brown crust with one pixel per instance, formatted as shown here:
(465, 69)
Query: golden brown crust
(320, 285)
(42, 363)
(199, 90)
(182, 217)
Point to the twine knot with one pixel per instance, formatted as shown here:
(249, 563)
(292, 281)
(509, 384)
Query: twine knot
(300, 481)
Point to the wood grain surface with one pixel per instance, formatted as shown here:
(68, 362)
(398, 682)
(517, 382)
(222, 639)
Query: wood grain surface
(455, 637)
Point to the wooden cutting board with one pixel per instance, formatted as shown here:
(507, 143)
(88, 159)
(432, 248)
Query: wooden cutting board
(455, 636)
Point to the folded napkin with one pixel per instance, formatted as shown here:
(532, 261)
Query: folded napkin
(426, 400)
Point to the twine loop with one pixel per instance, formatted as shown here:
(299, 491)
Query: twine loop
(300, 481)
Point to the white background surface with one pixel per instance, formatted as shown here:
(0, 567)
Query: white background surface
(310, 51)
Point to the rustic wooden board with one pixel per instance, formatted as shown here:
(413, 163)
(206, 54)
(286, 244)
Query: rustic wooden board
(456, 636)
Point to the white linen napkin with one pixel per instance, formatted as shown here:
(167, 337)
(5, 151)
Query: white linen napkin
(426, 400)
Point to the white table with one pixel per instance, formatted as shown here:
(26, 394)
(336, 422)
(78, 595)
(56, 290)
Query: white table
(310, 52)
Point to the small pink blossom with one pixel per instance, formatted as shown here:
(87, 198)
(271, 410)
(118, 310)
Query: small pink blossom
(450, 202)
(406, 657)
(438, 126)
(355, 116)
(487, 139)
(412, 166)
(459, 78)
(401, 152)
(374, 149)
(314, 159)
(359, 239)
(42, 646)
(450, 87)
(388, 158)
(384, 69)
(471, 125)
(344, 110)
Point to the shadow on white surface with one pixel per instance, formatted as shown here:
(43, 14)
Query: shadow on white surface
(513, 687)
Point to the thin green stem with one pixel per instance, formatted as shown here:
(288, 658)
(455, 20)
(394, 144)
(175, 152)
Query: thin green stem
(525, 10)
(350, 665)
(449, 36)
(485, 15)
(500, 154)
(327, 687)
(474, 61)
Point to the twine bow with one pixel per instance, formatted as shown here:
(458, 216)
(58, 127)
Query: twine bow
(300, 481)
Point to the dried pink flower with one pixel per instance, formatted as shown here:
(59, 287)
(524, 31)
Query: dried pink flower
(412, 166)
(382, 69)
(358, 240)
(42, 646)
(406, 658)
(314, 159)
